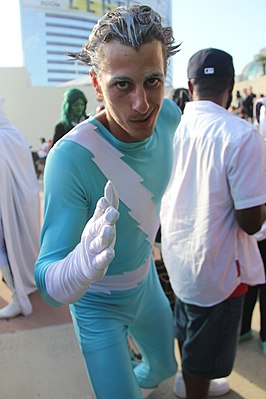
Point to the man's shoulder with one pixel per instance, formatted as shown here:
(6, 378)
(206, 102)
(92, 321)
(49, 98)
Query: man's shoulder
(216, 120)
(236, 129)
(170, 106)
(170, 112)
(240, 135)
(242, 125)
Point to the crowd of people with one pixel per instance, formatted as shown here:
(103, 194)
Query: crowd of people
(248, 105)
(73, 111)
(181, 172)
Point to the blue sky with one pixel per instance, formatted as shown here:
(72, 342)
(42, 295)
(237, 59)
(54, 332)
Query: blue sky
(236, 26)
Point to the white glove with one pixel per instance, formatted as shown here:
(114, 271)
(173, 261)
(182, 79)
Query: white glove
(68, 279)
(99, 235)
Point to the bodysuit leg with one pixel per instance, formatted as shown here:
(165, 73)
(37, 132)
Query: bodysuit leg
(102, 334)
(154, 334)
(102, 323)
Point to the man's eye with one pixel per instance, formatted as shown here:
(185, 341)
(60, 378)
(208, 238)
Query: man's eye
(153, 81)
(122, 85)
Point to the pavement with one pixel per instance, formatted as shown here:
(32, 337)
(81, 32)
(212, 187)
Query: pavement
(40, 359)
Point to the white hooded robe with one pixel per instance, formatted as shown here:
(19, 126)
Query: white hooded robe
(19, 208)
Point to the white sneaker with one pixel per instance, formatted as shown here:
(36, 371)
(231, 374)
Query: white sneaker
(13, 309)
(218, 386)
(179, 386)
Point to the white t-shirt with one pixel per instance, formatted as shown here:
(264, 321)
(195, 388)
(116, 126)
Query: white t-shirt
(262, 126)
(219, 166)
(260, 115)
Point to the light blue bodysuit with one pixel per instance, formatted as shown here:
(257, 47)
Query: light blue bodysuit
(129, 299)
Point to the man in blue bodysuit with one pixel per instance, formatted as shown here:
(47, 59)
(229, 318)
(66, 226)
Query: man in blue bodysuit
(100, 262)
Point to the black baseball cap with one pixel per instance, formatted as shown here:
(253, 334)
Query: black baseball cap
(210, 62)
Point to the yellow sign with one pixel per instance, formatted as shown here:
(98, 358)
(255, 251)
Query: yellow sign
(95, 7)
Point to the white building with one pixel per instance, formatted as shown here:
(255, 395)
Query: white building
(52, 28)
(33, 93)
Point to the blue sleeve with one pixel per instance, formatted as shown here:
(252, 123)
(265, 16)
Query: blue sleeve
(66, 209)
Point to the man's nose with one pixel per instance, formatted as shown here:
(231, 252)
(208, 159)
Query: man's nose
(140, 100)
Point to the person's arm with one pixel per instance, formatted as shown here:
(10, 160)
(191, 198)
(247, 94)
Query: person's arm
(68, 279)
(251, 219)
(247, 179)
(59, 132)
(76, 244)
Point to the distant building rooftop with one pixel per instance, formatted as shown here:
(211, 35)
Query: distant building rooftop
(255, 68)
(252, 71)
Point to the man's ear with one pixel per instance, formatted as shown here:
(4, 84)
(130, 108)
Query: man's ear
(190, 88)
(93, 78)
(96, 85)
(232, 85)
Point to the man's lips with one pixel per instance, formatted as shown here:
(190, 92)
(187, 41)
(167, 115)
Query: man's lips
(141, 120)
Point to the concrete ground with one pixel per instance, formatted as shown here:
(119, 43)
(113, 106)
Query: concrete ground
(45, 362)
(40, 359)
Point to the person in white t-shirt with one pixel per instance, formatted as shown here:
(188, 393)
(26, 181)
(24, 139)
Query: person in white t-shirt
(256, 293)
(260, 115)
(213, 204)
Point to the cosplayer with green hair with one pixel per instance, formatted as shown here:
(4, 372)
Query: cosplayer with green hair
(73, 111)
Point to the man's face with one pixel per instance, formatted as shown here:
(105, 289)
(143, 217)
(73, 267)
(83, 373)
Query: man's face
(132, 84)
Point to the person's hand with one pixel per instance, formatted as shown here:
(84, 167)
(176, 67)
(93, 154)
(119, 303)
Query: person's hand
(99, 235)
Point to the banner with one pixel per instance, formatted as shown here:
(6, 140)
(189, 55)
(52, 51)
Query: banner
(96, 8)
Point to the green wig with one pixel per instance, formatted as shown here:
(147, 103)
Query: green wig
(71, 96)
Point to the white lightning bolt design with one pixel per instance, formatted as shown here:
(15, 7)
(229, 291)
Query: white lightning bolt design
(127, 182)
